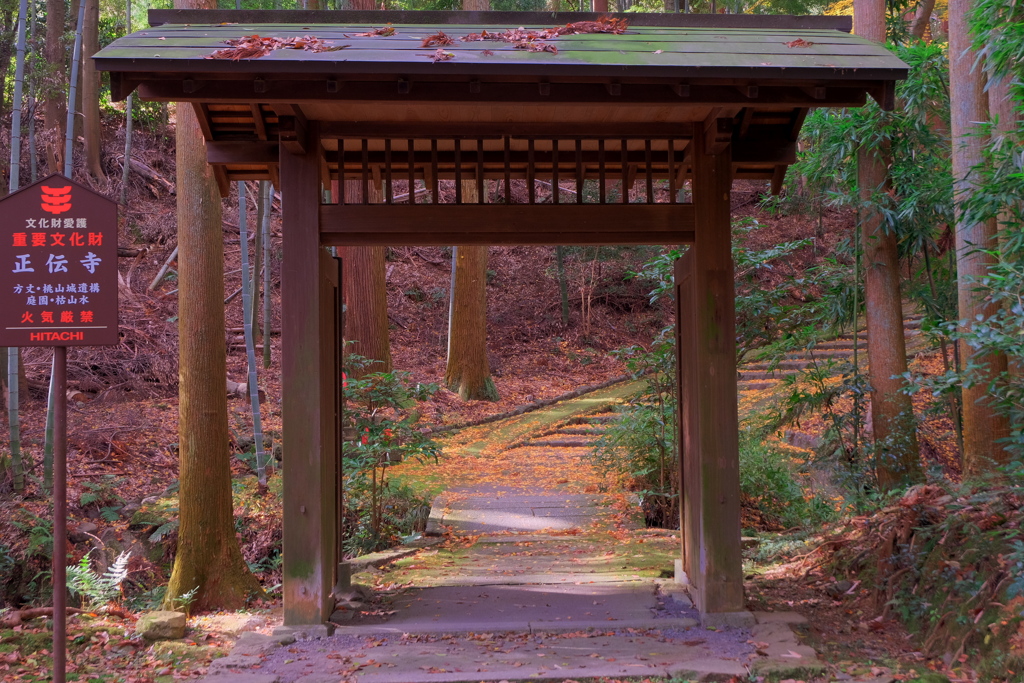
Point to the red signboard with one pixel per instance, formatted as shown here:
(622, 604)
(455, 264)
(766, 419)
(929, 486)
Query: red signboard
(58, 266)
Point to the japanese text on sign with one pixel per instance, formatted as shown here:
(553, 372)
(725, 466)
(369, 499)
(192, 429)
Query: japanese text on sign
(58, 266)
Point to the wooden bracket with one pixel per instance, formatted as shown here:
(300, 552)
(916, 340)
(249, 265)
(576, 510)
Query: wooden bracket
(292, 134)
(777, 179)
(474, 86)
(220, 174)
(884, 94)
(717, 135)
(404, 86)
(544, 89)
(333, 86)
(614, 89)
(681, 89)
(203, 115)
(817, 92)
(748, 91)
(259, 85)
(190, 85)
(257, 121)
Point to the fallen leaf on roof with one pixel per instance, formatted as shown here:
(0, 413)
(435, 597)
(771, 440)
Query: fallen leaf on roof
(658, 52)
(799, 42)
(442, 56)
(488, 53)
(386, 30)
(537, 46)
(255, 46)
(472, 37)
(439, 38)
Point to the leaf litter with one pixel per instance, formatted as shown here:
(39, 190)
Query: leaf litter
(255, 46)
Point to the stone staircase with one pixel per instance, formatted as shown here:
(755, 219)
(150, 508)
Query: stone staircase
(759, 376)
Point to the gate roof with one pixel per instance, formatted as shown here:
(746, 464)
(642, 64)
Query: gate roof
(666, 77)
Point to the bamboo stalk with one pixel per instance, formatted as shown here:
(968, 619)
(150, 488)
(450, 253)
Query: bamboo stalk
(76, 61)
(14, 419)
(257, 254)
(268, 198)
(250, 351)
(32, 165)
(163, 269)
(127, 122)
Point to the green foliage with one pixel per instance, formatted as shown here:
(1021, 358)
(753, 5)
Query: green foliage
(97, 590)
(39, 531)
(379, 431)
(769, 485)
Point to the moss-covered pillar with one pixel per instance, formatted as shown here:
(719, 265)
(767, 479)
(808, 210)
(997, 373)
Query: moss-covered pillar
(707, 375)
(307, 390)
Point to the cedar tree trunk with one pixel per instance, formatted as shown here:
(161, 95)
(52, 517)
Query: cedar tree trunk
(366, 297)
(54, 111)
(983, 426)
(897, 461)
(468, 372)
(922, 18)
(208, 557)
(91, 91)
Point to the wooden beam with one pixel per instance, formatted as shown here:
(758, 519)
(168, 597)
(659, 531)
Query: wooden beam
(469, 130)
(308, 573)
(711, 425)
(497, 224)
(292, 87)
(242, 153)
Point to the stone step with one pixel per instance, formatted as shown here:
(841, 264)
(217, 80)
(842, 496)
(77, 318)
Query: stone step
(748, 376)
(755, 385)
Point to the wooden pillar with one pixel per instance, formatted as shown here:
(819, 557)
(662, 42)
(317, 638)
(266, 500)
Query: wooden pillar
(707, 374)
(308, 390)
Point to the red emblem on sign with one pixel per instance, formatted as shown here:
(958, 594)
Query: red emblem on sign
(56, 199)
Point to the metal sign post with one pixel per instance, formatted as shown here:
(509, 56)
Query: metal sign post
(58, 279)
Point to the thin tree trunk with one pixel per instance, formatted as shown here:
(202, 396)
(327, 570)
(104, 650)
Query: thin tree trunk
(248, 285)
(365, 291)
(53, 109)
(13, 365)
(468, 372)
(208, 557)
(983, 426)
(92, 131)
(129, 102)
(563, 283)
(267, 194)
(69, 125)
(257, 258)
(1003, 110)
(922, 18)
(32, 151)
(897, 460)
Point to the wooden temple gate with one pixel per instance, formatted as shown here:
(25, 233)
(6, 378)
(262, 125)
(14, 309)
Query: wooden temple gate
(674, 108)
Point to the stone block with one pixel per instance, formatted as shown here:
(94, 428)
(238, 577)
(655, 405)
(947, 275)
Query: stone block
(778, 668)
(162, 625)
(241, 678)
(255, 644)
(306, 632)
(773, 632)
(791, 618)
(728, 619)
(708, 669)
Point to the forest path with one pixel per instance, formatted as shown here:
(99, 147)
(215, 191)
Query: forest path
(543, 573)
